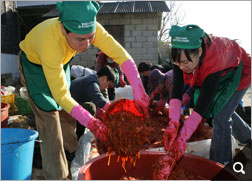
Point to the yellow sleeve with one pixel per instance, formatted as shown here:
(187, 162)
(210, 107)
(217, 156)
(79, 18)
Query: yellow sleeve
(45, 45)
(108, 45)
(52, 65)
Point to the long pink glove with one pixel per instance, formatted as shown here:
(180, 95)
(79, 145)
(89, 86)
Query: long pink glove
(97, 127)
(105, 107)
(185, 99)
(190, 125)
(101, 111)
(153, 94)
(165, 165)
(140, 97)
(172, 130)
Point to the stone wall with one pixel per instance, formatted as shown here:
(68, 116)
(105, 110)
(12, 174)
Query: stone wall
(140, 37)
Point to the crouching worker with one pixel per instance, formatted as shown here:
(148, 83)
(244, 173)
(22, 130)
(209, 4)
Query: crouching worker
(45, 55)
(145, 68)
(88, 90)
(161, 84)
(219, 70)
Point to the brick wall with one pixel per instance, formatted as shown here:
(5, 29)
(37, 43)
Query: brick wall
(140, 37)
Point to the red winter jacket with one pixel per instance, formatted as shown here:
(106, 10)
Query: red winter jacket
(223, 54)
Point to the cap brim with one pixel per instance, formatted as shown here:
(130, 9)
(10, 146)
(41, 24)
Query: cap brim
(185, 46)
(86, 31)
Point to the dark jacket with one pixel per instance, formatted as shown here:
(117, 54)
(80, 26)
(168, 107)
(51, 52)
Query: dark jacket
(87, 89)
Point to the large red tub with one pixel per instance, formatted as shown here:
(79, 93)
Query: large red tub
(97, 169)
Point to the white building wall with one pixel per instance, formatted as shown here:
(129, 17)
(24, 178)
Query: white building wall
(9, 64)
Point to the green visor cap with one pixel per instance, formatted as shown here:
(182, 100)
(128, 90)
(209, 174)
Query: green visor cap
(186, 37)
(78, 16)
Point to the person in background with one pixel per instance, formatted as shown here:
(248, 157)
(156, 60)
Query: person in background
(103, 60)
(88, 89)
(44, 68)
(145, 67)
(161, 84)
(220, 72)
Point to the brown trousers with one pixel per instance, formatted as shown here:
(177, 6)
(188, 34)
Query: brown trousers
(57, 131)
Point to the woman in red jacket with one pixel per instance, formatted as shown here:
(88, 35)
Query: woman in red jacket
(218, 70)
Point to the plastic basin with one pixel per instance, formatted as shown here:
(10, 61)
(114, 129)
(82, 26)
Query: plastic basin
(4, 114)
(17, 147)
(97, 169)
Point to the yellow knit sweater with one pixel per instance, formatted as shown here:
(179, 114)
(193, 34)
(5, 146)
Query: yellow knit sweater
(45, 45)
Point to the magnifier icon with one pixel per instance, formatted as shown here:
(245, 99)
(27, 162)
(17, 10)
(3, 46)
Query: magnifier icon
(238, 170)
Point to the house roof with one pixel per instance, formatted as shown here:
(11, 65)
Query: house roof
(133, 7)
(105, 8)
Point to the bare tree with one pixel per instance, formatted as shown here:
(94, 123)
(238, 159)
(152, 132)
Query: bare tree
(174, 17)
(7, 5)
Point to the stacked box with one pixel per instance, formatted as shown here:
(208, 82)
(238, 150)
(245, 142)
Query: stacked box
(9, 99)
(23, 106)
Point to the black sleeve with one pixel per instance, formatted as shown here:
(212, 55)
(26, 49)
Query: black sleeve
(167, 67)
(177, 83)
(157, 66)
(207, 93)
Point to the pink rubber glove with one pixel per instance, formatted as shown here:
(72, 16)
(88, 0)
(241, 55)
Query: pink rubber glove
(190, 125)
(165, 165)
(101, 111)
(105, 107)
(97, 127)
(121, 80)
(178, 149)
(185, 99)
(172, 130)
(153, 94)
(140, 97)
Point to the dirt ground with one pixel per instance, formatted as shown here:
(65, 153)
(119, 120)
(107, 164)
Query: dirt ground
(37, 174)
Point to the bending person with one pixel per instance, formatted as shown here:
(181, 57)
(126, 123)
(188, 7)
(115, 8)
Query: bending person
(45, 55)
(89, 89)
(219, 71)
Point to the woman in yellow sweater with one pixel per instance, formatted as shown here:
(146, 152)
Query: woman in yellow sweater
(44, 66)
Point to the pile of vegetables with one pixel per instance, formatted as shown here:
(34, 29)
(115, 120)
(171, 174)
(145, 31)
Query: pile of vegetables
(128, 130)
